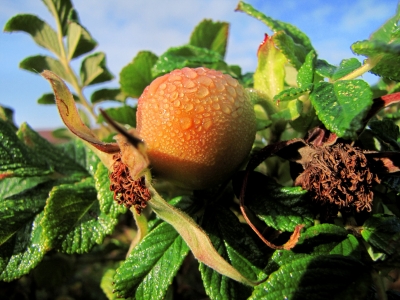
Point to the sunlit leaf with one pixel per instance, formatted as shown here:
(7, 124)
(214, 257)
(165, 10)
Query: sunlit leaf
(94, 70)
(106, 95)
(346, 67)
(123, 115)
(60, 9)
(211, 35)
(341, 106)
(79, 40)
(306, 72)
(138, 74)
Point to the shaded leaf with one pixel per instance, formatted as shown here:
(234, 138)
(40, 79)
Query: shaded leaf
(138, 74)
(187, 56)
(294, 53)
(211, 35)
(151, 266)
(123, 115)
(39, 63)
(20, 254)
(386, 55)
(321, 277)
(7, 115)
(79, 40)
(282, 208)
(235, 245)
(349, 246)
(291, 112)
(49, 99)
(40, 31)
(94, 70)
(382, 232)
(107, 94)
(342, 106)
(324, 69)
(60, 9)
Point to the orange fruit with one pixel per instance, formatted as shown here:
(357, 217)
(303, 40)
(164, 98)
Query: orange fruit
(198, 125)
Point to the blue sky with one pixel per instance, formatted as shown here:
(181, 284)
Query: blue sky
(122, 28)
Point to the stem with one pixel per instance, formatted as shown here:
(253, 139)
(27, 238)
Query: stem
(74, 78)
(379, 285)
(141, 223)
(367, 66)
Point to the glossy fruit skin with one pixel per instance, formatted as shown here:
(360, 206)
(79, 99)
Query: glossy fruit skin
(198, 125)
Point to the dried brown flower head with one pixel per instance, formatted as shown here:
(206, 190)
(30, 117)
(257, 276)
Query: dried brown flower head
(128, 191)
(340, 175)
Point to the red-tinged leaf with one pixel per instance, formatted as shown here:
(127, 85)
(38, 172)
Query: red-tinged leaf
(70, 115)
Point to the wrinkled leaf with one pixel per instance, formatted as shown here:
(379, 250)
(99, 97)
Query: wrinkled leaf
(295, 34)
(306, 72)
(107, 94)
(291, 112)
(235, 245)
(294, 53)
(138, 74)
(151, 266)
(321, 277)
(292, 93)
(94, 70)
(40, 31)
(342, 106)
(211, 35)
(324, 69)
(382, 232)
(16, 159)
(282, 208)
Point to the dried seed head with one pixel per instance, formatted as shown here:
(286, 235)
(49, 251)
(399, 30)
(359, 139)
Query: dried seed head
(339, 175)
(127, 191)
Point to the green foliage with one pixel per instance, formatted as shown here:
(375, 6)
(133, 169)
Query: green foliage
(56, 206)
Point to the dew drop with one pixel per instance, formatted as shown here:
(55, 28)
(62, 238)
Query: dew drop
(189, 73)
(226, 109)
(173, 77)
(202, 92)
(197, 121)
(187, 83)
(204, 80)
(185, 122)
(171, 88)
(199, 108)
(207, 123)
(231, 81)
(219, 86)
(163, 86)
(216, 106)
(188, 106)
(231, 91)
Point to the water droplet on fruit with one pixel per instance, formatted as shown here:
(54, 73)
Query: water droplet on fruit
(219, 86)
(189, 73)
(173, 77)
(216, 106)
(163, 86)
(199, 108)
(231, 91)
(202, 92)
(177, 103)
(187, 83)
(188, 106)
(205, 80)
(207, 123)
(231, 81)
(171, 88)
(185, 122)
(226, 109)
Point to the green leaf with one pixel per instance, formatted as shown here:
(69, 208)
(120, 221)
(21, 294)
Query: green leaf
(349, 246)
(20, 254)
(60, 9)
(383, 232)
(187, 56)
(269, 76)
(387, 131)
(346, 67)
(94, 70)
(211, 35)
(15, 185)
(282, 208)
(79, 40)
(292, 31)
(16, 159)
(151, 266)
(292, 93)
(40, 31)
(342, 106)
(294, 53)
(235, 245)
(55, 156)
(107, 94)
(7, 115)
(20, 209)
(123, 115)
(138, 74)
(324, 69)
(73, 221)
(39, 63)
(386, 56)
(291, 112)
(321, 277)
(389, 30)
(305, 76)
